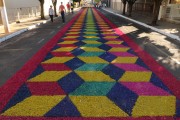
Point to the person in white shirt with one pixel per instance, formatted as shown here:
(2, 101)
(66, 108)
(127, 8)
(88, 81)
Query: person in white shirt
(51, 13)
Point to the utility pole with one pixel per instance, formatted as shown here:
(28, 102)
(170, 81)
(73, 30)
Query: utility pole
(4, 16)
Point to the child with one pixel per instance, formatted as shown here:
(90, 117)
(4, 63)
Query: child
(51, 13)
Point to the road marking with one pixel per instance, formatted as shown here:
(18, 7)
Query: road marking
(5, 50)
(52, 32)
(9, 43)
(41, 40)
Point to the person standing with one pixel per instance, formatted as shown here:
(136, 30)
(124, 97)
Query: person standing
(72, 7)
(68, 7)
(51, 13)
(62, 10)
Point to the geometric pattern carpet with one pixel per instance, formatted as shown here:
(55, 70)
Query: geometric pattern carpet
(90, 72)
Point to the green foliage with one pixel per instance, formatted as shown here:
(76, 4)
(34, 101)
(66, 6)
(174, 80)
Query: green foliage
(131, 1)
(76, 0)
(97, 1)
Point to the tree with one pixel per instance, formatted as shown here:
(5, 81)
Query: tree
(130, 5)
(77, 1)
(97, 1)
(54, 4)
(124, 6)
(157, 4)
(42, 8)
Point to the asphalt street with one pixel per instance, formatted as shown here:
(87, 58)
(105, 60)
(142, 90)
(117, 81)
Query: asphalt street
(15, 52)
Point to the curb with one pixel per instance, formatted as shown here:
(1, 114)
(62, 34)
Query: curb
(147, 26)
(22, 31)
(12, 35)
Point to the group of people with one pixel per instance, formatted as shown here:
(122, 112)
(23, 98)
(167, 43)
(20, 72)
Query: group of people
(62, 11)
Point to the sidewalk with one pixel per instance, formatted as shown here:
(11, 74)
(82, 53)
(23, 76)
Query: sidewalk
(23, 26)
(18, 28)
(165, 26)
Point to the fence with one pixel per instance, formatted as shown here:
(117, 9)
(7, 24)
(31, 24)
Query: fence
(16, 14)
(145, 7)
(173, 11)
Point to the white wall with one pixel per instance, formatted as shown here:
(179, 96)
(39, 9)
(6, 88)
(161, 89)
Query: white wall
(174, 11)
(18, 9)
(21, 3)
(47, 4)
(28, 8)
(117, 5)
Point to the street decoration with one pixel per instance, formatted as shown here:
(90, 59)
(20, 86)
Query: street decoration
(90, 70)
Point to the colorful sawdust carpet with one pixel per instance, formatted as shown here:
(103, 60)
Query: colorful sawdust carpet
(89, 69)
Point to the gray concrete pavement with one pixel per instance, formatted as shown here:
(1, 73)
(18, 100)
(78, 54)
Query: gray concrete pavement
(164, 50)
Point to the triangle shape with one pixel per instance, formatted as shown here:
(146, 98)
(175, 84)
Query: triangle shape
(37, 71)
(64, 109)
(20, 95)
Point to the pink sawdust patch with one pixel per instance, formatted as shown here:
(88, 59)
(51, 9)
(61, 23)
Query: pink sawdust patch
(122, 54)
(145, 88)
(117, 45)
(131, 67)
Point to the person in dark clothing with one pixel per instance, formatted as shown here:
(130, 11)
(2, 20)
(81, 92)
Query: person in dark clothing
(51, 13)
(72, 7)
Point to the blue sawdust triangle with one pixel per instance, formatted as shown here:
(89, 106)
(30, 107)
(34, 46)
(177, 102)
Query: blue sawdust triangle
(55, 47)
(141, 63)
(48, 56)
(177, 107)
(157, 82)
(21, 94)
(64, 109)
(37, 71)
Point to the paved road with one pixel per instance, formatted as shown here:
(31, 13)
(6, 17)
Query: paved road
(21, 48)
